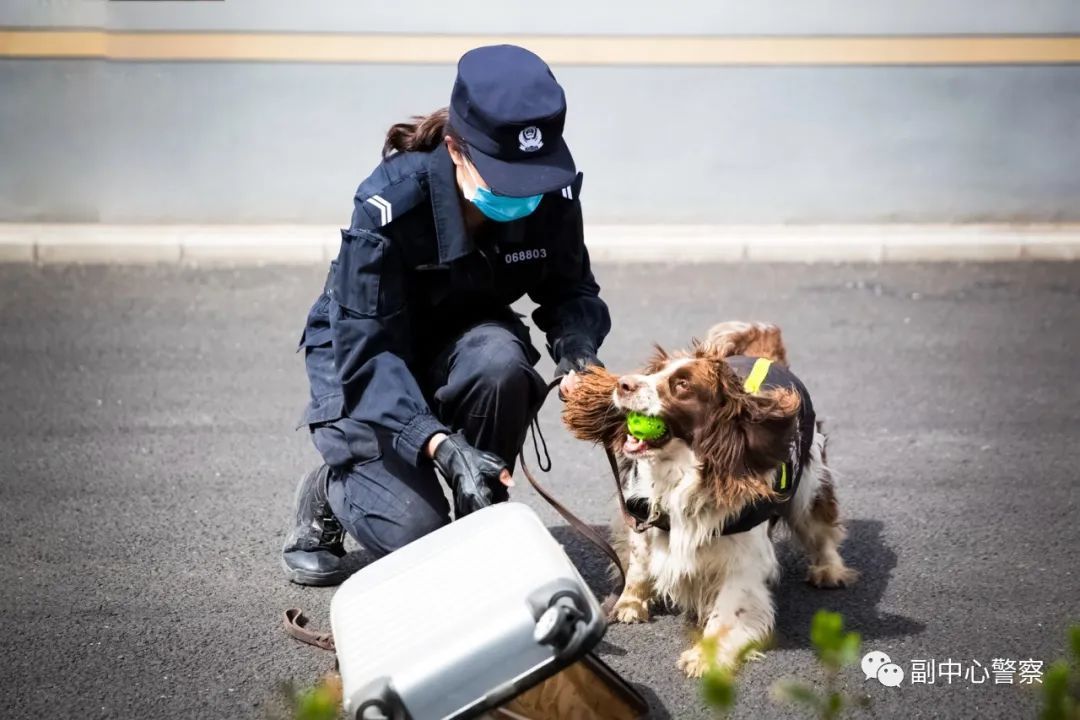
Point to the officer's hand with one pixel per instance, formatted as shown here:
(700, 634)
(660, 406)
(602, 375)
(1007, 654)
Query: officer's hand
(568, 384)
(569, 368)
(469, 472)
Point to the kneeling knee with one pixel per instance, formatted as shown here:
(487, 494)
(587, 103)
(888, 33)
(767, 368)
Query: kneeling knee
(385, 537)
(503, 371)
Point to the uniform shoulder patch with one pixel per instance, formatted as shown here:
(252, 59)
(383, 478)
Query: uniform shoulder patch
(384, 207)
(573, 190)
(386, 196)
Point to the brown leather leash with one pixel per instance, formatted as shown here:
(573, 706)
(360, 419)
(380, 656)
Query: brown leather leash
(580, 526)
(296, 624)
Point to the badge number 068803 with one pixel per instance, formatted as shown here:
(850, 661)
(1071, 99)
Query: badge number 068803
(525, 255)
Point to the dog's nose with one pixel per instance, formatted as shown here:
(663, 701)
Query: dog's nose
(628, 384)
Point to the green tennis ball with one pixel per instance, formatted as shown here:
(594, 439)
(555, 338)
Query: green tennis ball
(645, 427)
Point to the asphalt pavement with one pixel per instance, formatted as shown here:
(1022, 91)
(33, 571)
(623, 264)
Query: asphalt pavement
(148, 460)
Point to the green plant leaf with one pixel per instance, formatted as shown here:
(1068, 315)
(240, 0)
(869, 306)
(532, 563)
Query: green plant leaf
(834, 649)
(826, 629)
(750, 651)
(1056, 692)
(796, 693)
(718, 689)
(1074, 644)
(833, 646)
(317, 704)
(849, 648)
(321, 702)
(834, 703)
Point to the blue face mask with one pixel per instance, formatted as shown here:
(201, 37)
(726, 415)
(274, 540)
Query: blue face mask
(501, 208)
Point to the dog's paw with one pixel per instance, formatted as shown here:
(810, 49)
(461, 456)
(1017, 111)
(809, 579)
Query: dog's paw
(694, 661)
(631, 609)
(831, 576)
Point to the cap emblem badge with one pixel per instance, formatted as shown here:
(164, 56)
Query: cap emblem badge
(530, 139)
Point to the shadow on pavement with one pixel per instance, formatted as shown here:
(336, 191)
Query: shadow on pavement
(591, 563)
(657, 711)
(796, 601)
(358, 559)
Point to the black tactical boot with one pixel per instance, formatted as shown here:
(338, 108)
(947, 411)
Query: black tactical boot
(315, 547)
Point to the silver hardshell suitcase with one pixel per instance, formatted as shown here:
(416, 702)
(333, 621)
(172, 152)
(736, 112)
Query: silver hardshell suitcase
(463, 620)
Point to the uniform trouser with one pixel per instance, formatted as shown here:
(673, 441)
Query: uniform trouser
(482, 385)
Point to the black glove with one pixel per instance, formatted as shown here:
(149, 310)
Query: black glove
(469, 472)
(576, 361)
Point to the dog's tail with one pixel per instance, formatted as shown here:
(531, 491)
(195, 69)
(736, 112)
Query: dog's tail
(743, 338)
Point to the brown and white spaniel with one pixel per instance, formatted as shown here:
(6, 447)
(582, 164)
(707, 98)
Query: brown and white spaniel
(742, 450)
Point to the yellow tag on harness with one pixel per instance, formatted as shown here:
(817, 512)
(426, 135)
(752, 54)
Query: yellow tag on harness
(757, 375)
(753, 385)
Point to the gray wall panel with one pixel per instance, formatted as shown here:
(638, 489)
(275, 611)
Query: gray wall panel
(205, 142)
(52, 139)
(721, 17)
(54, 13)
(253, 143)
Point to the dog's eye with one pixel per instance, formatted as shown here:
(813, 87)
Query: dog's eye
(680, 385)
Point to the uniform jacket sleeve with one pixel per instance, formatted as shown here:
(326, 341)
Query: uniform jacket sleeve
(371, 342)
(570, 311)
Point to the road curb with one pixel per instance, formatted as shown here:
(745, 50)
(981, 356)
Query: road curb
(282, 244)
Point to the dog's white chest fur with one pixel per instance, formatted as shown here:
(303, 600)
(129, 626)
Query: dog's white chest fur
(691, 562)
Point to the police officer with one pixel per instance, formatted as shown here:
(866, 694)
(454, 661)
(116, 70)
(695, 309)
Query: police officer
(414, 357)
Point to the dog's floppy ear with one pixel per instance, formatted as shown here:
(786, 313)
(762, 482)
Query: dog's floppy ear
(768, 424)
(746, 435)
(590, 412)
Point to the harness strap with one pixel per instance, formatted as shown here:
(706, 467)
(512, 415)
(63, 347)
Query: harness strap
(632, 521)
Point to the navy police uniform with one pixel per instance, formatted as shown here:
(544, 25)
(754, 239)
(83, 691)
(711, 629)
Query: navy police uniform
(414, 335)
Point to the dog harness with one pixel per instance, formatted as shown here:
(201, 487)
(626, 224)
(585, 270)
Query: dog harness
(759, 374)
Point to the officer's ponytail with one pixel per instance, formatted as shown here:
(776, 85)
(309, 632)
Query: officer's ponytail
(423, 134)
